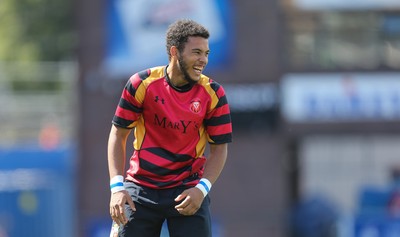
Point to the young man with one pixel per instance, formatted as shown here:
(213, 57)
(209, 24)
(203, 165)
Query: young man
(175, 111)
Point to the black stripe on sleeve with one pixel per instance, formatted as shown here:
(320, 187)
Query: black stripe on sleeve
(215, 121)
(128, 106)
(144, 74)
(121, 122)
(221, 139)
(221, 102)
(215, 86)
(130, 88)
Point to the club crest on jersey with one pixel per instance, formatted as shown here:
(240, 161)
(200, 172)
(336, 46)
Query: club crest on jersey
(195, 106)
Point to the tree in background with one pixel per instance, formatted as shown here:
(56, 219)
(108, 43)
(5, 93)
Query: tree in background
(37, 30)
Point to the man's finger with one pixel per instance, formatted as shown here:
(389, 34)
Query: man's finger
(183, 204)
(181, 196)
(116, 216)
(131, 204)
(122, 215)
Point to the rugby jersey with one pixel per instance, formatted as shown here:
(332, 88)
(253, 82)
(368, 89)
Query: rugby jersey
(171, 127)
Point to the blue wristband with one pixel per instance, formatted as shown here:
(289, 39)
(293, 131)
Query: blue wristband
(119, 184)
(205, 185)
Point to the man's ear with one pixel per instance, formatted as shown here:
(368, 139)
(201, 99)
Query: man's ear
(174, 51)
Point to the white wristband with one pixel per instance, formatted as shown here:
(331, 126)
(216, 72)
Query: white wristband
(117, 184)
(204, 185)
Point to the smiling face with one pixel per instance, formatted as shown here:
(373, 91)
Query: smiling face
(192, 60)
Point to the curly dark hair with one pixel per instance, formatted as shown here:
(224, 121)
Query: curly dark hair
(179, 32)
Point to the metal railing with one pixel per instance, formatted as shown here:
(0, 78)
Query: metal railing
(38, 103)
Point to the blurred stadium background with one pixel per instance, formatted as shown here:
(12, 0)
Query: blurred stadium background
(314, 88)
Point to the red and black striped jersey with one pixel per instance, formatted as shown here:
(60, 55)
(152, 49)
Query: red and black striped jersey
(171, 127)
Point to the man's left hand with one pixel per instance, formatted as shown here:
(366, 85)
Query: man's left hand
(191, 200)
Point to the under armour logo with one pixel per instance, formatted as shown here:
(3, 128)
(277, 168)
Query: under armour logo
(157, 99)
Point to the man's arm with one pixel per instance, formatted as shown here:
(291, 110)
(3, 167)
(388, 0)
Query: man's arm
(117, 150)
(193, 197)
(116, 165)
(215, 162)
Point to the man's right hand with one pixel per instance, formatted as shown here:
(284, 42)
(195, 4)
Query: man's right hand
(117, 206)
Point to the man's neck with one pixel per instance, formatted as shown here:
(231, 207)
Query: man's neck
(175, 75)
